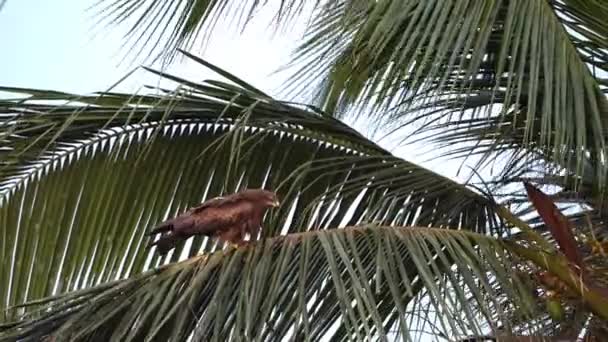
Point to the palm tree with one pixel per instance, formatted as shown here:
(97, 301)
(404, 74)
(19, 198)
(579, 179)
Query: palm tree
(365, 245)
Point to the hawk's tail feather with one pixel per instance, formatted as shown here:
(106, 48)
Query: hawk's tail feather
(161, 228)
(165, 243)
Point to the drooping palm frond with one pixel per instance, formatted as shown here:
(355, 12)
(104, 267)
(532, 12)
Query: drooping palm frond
(83, 181)
(531, 99)
(588, 34)
(517, 77)
(360, 280)
(496, 69)
(498, 138)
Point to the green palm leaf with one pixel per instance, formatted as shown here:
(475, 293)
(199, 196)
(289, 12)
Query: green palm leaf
(300, 286)
(510, 66)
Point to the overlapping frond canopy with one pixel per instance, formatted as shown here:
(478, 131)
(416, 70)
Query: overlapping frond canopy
(512, 75)
(354, 283)
(514, 79)
(82, 181)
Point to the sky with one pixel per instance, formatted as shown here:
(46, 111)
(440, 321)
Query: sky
(56, 45)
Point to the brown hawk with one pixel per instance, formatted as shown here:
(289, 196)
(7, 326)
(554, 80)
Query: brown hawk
(226, 218)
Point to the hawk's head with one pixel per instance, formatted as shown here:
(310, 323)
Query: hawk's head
(270, 199)
(265, 198)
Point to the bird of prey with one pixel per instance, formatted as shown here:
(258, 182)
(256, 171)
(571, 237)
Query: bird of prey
(227, 218)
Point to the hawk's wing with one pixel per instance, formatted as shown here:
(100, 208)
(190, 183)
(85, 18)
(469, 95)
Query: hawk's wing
(209, 216)
(185, 222)
(228, 218)
(217, 202)
(218, 216)
(214, 202)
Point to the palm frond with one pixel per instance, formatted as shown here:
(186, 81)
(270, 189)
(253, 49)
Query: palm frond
(300, 286)
(84, 180)
(539, 65)
(514, 68)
